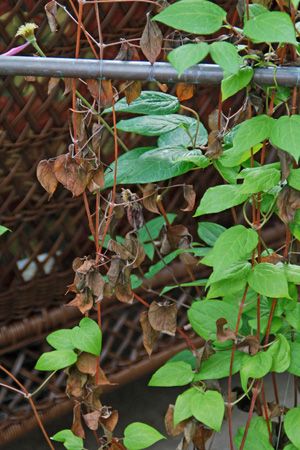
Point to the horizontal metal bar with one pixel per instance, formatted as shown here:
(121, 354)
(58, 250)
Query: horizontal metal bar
(203, 74)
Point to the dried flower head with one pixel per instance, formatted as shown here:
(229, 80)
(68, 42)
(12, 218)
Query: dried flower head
(27, 31)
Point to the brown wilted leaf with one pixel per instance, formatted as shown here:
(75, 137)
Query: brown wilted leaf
(169, 423)
(250, 345)
(96, 139)
(70, 174)
(150, 193)
(52, 84)
(92, 399)
(116, 445)
(185, 91)
(101, 91)
(75, 383)
(83, 301)
(68, 85)
(102, 379)
(87, 363)
(288, 201)
(109, 418)
(213, 120)
(190, 197)
(173, 236)
(273, 258)
(163, 317)
(151, 40)
(97, 181)
(224, 334)
(77, 427)
(51, 13)
(214, 148)
(150, 335)
(92, 420)
(46, 176)
(286, 161)
(130, 250)
(127, 52)
(115, 268)
(133, 91)
(123, 290)
(162, 86)
(95, 282)
(200, 437)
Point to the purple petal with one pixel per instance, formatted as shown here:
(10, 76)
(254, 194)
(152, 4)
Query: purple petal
(15, 50)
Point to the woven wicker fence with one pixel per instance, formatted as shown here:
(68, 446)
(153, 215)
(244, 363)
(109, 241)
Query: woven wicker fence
(47, 235)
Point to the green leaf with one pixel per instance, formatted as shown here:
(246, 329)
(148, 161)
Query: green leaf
(149, 102)
(209, 232)
(294, 179)
(269, 280)
(293, 317)
(234, 83)
(259, 179)
(238, 270)
(258, 432)
(235, 156)
(193, 16)
(68, 438)
(218, 365)
(185, 356)
(219, 198)
(294, 367)
(139, 435)
(255, 10)
(153, 125)
(3, 229)
(203, 315)
(61, 339)
(270, 27)
(153, 228)
(256, 366)
(195, 157)
(87, 337)
(233, 245)
(286, 134)
(253, 131)
(292, 426)
(201, 282)
(280, 353)
(184, 135)
(226, 55)
(228, 174)
(144, 165)
(208, 407)
(58, 359)
(171, 374)
(224, 287)
(182, 409)
(188, 55)
(290, 447)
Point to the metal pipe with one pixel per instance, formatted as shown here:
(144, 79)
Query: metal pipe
(203, 74)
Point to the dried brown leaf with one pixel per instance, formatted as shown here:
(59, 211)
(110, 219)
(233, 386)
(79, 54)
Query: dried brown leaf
(200, 437)
(163, 317)
(127, 52)
(68, 85)
(214, 148)
(288, 201)
(92, 420)
(51, 13)
(71, 175)
(101, 91)
(150, 335)
(123, 290)
(109, 418)
(133, 91)
(286, 161)
(115, 268)
(77, 427)
(190, 197)
(224, 334)
(213, 120)
(46, 176)
(75, 383)
(83, 301)
(52, 84)
(97, 181)
(151, 40)
(150, 193)
(250, 345)
(184, 91)
(169, 423)
(87, 363)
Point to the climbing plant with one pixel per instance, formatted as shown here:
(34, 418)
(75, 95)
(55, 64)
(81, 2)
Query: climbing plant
(245, 315)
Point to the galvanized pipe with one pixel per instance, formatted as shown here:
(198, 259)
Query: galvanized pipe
(203, 74)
